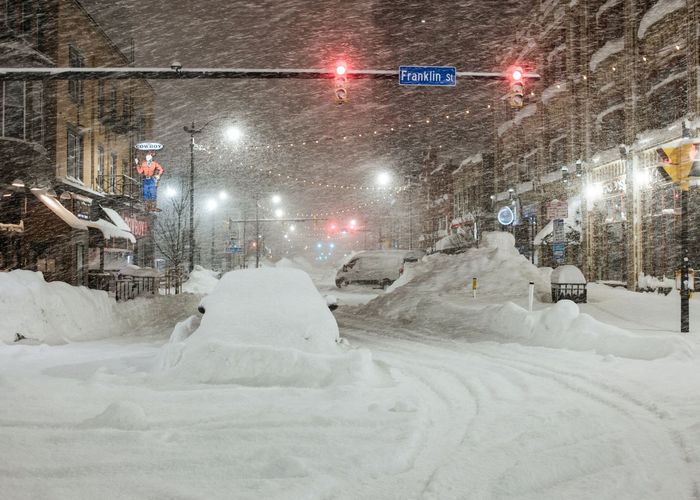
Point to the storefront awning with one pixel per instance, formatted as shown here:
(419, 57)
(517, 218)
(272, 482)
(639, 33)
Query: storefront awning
(108, 229)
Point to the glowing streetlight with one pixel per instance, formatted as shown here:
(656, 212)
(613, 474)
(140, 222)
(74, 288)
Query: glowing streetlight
(211, 204)
(279, 213)
(276, 199)
(292, 228)
(233, 134)
(223, 195)
(383, 179)
(170, 192)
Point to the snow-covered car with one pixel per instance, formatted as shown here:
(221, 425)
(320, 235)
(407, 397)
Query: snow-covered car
(381, 267)
(252, 304)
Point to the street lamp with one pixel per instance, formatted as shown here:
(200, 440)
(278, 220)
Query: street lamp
(193, 131)
(383, 179)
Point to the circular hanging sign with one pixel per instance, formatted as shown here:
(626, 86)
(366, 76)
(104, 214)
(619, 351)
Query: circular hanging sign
(506, 216)
(149, 146)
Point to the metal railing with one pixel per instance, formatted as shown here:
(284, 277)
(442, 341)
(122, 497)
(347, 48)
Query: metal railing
(119, 185)
(123, 287)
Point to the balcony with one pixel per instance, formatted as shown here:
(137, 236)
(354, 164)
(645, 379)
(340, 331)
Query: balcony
(119, 185)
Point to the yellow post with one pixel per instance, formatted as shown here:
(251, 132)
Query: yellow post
(474, 283)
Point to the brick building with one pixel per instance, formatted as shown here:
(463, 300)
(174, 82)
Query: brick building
(619, 80)
(67, 148)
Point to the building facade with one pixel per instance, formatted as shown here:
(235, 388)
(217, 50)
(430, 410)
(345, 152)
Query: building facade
(619, 80)
(71, 142)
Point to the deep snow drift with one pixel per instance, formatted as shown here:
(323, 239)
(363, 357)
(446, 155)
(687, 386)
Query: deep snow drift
(436, 295)
(200, 281)
(267, 326)
(56, 312)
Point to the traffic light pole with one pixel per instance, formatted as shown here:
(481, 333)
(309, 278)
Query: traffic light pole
(685, 290)
(176, 72)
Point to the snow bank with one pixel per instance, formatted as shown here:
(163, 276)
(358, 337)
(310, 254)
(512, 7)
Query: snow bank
(56, 312)
(563, 326)
(201, 281)
(263, 327)
(435, 294)
(502, 274)
(52, 312)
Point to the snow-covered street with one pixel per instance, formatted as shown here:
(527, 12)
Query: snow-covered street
(440, 415)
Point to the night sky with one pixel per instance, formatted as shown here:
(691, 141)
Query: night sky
(470, 35)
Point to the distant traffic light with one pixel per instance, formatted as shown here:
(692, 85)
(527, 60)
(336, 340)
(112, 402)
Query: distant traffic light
(341, 81)
(517, 88)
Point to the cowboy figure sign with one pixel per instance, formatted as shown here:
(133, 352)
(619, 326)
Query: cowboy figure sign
(151, 171)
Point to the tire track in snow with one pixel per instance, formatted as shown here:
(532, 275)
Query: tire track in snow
(614, 398)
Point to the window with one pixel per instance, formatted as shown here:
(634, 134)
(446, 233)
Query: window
(100, 98)
(126, 109)
(41, 26)
(113, 101)
(112, 173)
(14, 119)
(36, 112)
(27, 15)
(74, 157)
(100, 166)
(75, 87)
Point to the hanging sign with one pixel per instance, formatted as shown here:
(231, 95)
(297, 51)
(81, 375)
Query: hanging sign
(506, 216)
(149, 146)
(558, 231)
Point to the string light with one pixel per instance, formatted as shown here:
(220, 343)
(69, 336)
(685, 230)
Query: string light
(326, 184)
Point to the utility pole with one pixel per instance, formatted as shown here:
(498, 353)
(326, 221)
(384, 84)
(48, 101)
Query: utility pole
(192, 131)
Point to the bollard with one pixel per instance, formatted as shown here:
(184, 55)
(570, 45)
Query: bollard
(531, 295)
(474, 282)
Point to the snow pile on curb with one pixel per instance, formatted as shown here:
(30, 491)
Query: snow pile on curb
(201, 281)
(563, 326)
(502, 274)
(435, 294)
(263, 327)
(56, 312)
(52, 312)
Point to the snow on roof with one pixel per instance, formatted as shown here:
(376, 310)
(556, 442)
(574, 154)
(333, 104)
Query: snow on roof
(611, 47)
(108, 229)
(116, 219)
(475, 158)
(526, 112)
(671, 78)
(553, 90)
(656, 13)
(601, 116)
(62, 212)
(605, 7)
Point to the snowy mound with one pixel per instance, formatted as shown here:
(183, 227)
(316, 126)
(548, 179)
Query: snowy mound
(201, 281)
(563, 326)
(52, 312)
(501, 272)
(56, 312)
(265, 327)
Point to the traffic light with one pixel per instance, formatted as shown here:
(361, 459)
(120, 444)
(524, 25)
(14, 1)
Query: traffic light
(517, 88)
(341, 81)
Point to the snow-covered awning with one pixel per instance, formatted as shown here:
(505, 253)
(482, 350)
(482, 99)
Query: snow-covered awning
(116, 219)
(108, 229)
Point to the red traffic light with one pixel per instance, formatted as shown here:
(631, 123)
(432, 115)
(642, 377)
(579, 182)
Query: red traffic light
(340, 69)
(517, 74)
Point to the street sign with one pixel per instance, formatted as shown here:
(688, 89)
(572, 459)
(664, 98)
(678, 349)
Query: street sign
(557, 209)
(679, 163)
(559, 252)
(558, 231)
(149, 146)
(529, 211)
(234, 249)
(434, 76)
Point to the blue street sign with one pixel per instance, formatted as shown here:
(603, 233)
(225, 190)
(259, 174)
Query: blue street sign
(428, 75)
(506, 216)
(558, 252)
